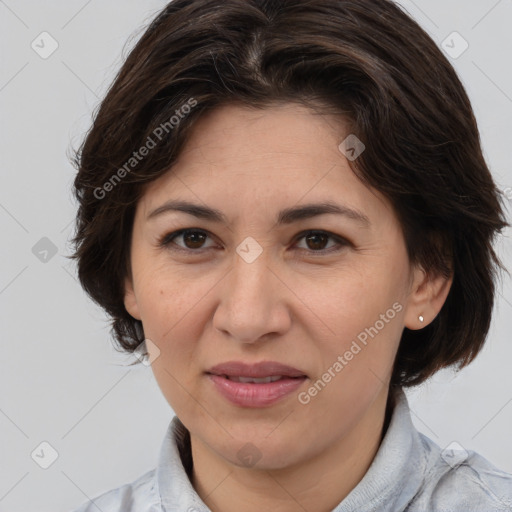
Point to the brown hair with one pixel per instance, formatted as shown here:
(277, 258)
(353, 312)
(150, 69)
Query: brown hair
(364, 59)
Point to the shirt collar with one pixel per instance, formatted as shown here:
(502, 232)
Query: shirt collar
(397, 470)
(391, 482)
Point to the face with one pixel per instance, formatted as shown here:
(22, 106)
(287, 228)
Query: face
(327, 294)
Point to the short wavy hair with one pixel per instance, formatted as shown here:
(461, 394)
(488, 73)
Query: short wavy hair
(366, 60)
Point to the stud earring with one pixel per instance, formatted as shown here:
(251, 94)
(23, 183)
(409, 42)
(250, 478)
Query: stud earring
(421, 318)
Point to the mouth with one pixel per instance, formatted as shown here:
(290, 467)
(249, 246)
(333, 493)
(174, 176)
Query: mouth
(257, 385)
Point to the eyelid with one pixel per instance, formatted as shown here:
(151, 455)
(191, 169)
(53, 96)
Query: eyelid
(341, 241)
(167, 239)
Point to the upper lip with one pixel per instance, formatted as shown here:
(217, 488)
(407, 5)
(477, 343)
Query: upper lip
(255, 370)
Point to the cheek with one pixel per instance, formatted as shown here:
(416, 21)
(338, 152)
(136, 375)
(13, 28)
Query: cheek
(173, 316)
(170, 321)
(359, 317)
(354, 299)
(165, 298)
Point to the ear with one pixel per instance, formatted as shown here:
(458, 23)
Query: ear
(427, 296)
(130, 301)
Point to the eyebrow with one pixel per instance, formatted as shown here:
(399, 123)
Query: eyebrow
(286, 216)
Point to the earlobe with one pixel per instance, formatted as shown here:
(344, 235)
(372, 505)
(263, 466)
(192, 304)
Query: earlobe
(427, 296)
(130, 301)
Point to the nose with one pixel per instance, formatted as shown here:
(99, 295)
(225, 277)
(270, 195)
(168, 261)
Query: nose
(252, 302)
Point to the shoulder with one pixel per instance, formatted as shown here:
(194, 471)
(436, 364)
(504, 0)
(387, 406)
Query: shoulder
(461, 480)
(141, 495)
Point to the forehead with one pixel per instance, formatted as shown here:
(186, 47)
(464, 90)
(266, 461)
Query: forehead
(247, 158)
(288, 131)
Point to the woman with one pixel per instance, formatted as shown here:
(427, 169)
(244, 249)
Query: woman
(286, 206)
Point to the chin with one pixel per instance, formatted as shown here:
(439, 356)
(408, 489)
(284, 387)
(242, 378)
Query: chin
(259, 450)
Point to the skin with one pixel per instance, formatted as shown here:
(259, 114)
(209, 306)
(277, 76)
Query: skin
(289, 305)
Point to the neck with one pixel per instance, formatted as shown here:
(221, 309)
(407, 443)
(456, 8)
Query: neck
(316, 485)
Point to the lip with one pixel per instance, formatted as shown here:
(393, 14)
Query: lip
(255, 394)
(261, 369)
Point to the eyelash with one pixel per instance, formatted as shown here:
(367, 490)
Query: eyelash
(167, 240)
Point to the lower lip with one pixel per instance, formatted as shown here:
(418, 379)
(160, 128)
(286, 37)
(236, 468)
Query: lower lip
(255, 395)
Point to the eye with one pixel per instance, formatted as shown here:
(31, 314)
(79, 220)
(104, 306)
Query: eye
(193, 241)
(316, 241)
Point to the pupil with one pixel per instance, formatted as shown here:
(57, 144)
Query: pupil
(316, 236)
(189, 236)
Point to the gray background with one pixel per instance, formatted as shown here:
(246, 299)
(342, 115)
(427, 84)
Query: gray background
(61, 381)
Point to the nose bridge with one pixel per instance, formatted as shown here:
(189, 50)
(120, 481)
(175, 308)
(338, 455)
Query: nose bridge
(249, 281)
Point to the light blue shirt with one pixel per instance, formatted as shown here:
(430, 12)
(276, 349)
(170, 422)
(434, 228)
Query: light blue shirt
(409, 473)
